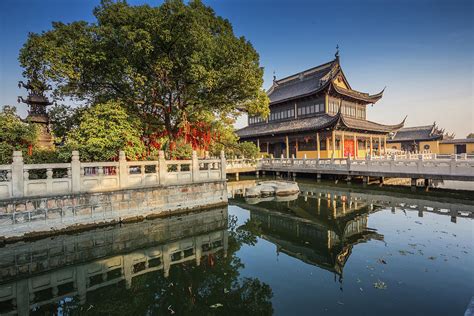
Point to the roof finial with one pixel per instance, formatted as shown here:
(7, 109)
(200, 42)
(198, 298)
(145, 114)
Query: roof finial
(337, 52)
(274, 76)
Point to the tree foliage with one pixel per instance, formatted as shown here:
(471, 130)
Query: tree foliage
(63, 119)
(173, 65)
(14, 134)
(104, 129)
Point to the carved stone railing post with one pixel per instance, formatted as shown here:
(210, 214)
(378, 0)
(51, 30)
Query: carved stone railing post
(49, 180)
(223, 166)
(163, 170)
(123, 170)
(452, 165)
(17, 174)
(75, 172)
(195, 167)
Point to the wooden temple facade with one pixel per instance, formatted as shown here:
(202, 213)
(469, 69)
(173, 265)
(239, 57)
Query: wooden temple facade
(316, 114)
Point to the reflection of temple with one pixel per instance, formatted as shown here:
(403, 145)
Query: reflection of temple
(49, 270)
(37, 114)
(321, 232)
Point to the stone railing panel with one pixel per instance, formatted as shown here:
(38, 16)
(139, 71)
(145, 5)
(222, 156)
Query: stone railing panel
(47, 179)
(5, 181)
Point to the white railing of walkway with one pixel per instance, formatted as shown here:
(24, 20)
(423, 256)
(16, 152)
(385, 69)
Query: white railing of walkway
(25, 180)
(455, 166)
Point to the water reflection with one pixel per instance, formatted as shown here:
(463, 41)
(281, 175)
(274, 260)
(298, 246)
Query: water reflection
(213, 262)
(320, 232)
(173, 265)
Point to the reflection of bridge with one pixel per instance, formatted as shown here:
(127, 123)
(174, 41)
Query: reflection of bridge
(48, 270)
(422, 166)
(319, 239)
(339, 200)
(349, 198)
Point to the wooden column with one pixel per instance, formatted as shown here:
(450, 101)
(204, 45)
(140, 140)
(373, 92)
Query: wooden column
(327, 147)
(343, 155)
(258, 145)
(318, 146)
(371, 146)
(333, 155)
(380, 146)
(356, 147)
(268, 147)
(287, 147)
(385, 144)
(296, 148)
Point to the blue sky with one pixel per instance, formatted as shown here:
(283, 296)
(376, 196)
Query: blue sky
(421, 50)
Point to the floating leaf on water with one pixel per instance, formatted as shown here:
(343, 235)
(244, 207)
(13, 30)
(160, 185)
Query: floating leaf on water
(359, 280)
(361, 289)
(340, 303)
(431, 258)
(381, 261)
(380, 285)
(419, 223)
(217, 305)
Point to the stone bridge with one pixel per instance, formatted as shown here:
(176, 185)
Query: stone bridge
(413, 166)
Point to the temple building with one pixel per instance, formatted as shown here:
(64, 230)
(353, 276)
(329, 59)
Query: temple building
(417, 138)
(37, 114)
(429, 138)
(317, 114)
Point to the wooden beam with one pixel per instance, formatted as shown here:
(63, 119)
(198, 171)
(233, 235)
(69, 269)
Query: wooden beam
(287, 147)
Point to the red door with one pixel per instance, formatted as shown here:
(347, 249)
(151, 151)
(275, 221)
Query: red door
(349, 149)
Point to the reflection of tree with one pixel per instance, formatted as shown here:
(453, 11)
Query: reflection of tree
(214, 287)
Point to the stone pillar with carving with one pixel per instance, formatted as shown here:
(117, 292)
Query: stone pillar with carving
(17, 174)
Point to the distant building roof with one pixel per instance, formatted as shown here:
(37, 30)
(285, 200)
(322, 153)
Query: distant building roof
(417, 133)
(458, 141)
(312, 124)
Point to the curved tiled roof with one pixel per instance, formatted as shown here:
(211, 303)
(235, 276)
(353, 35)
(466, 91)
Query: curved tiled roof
(304, 83)
(312, 81)
(315, 123)
(416, 133)
(289, 126)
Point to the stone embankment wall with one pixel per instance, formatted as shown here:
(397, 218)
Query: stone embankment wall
(33, 217)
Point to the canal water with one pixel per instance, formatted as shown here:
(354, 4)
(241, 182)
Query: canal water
(331, 250)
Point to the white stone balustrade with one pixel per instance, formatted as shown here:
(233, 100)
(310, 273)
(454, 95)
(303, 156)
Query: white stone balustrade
(25, 180)
(421, 165)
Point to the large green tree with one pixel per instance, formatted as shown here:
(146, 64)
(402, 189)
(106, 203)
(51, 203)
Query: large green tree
(175, 64)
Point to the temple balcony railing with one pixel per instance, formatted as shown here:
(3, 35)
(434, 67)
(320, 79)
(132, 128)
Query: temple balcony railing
(27, 180)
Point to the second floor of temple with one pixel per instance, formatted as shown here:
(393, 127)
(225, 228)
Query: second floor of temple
(317, 114)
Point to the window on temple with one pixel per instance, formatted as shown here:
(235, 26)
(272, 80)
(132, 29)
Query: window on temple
(310, 109)
(282, 115)
(322, 144)
(255, 120)
(307, 144)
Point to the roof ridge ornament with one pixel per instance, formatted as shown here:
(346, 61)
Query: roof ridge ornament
(337, 52)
